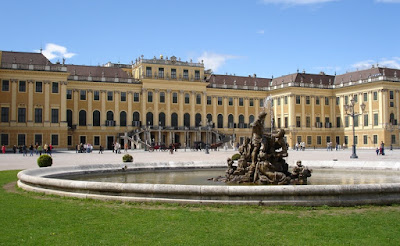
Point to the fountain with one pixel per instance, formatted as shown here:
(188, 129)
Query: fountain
(261, 162)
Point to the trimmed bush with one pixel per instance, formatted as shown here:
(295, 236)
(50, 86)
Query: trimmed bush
(44, 161)
(127, 158)
(236, 157)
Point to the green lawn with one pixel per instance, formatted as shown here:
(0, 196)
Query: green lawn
(34, 219)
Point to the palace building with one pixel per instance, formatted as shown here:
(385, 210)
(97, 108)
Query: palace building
(166, 100)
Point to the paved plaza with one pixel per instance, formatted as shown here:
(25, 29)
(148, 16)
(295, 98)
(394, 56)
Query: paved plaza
(10, 161)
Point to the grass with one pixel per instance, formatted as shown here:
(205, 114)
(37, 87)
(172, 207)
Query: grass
(34, 219)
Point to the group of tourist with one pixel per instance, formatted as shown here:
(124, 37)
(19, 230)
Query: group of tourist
(300, 145)
(83, 148)
(37, 148)
(381, 149)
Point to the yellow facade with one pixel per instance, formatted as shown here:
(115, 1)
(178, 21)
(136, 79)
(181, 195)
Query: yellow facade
(168, 100)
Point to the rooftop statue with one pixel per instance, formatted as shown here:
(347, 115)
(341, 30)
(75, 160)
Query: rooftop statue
(262, 159)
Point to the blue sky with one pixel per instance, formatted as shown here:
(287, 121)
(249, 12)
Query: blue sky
(265, 37)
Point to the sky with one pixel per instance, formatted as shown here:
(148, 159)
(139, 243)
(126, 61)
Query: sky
(241, 37)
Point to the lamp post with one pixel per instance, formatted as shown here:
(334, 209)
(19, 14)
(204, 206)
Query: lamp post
(349, 110)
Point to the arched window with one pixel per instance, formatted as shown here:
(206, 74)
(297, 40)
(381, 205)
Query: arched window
(122, 118)
(136, 119)
(251, 119)
(110, 115)
(161, 118)
(69, 117)
(230, 121)
(186, 120)
(220, 121)
(209, 117)
(96, 118)
(82, 118)
(149, 118)
(187, 98)
(391, 118)
(174, 119)
(241, 121)
(197, 119)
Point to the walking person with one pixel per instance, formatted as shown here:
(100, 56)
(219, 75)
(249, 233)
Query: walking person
(50, 149)
(45, 148)
(101, 150)
(377, 151)
(36, 148)
(3, 149)
(40, 149)
(31, 150)
(382, 148)
(24, 150)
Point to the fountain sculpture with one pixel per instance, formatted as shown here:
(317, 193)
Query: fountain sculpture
(262, 160)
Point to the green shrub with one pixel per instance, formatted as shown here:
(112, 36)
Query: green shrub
(44, 161)
(127, 158)
(236, 157)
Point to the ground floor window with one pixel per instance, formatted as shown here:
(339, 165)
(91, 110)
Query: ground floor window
(69, 140)
(309, 140)
(393, 139)
(54, 139)
(319, 140)
(82, 139)
(365, 139)
(4, 139)
(346, 140)
(38, 138)
(21, 139)
(375, 137)
(96, 140)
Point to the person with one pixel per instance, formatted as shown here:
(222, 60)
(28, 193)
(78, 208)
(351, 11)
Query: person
(257, 130)
(36, 148)
(3, 149)
(24, 152)
(382, 148)
(377, 151)
(40, 149)
(101, 150)
(126, 148)
(14, 149)
(45, 148)
(297, 146)
(31, 150)
(50, 149)
(76, 148)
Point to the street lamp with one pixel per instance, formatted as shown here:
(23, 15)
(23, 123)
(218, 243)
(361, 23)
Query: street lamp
(349, 110)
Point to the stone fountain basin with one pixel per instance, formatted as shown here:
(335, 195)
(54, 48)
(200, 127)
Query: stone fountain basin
(48, 181)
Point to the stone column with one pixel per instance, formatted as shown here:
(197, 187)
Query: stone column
(282, 112)
(312, 111)
(14, 106)
(63, 110)
(143, 102)
(246, 110)
(225, 103)
(370, 112)
(192, 109)
(181, 102)
(130, 113)
(292, 113)
(90, 109)
(303, 111)
(30, 102)
(214, 104)
(156, 104)
(322, 103)
(75, 112)
(168, 101)
(116, 108)
(103, 114)
(204, 107)
(46, 101)
(236, 109)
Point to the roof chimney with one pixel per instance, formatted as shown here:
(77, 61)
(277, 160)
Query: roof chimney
(254, 75)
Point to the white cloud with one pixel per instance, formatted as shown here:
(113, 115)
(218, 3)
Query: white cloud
(261, 32)
(296, 2)
(214, 61)
(394, 62)
(53, 51)
(387, 1)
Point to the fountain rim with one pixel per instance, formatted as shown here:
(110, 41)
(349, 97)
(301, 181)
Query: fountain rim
(44, 180)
